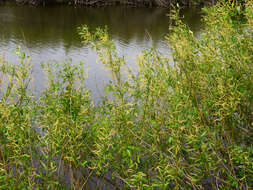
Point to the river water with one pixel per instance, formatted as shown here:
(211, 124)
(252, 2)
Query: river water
(50, 33)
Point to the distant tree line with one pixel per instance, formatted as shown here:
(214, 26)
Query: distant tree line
(161, 3)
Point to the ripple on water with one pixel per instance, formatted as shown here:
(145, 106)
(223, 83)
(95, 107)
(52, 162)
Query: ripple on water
(50, 33)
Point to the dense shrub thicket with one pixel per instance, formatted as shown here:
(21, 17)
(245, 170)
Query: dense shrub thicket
(185, 123)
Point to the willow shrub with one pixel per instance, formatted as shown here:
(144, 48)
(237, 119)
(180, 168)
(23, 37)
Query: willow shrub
(184, 123)
(18, 139)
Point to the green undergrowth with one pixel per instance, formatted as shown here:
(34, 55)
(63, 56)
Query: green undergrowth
(185, 123)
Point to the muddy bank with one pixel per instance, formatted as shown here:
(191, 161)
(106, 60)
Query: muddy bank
(147, 3)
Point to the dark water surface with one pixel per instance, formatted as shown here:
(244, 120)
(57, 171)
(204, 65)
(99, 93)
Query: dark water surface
(50, 33)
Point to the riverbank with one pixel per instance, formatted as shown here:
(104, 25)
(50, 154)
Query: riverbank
(135, 3)
(186, 125)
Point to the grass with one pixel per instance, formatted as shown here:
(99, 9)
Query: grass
(181, 125)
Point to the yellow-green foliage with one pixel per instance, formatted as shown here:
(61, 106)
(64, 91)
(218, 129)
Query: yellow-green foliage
(185, 123)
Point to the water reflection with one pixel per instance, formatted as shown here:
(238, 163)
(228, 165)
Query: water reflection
(49, 33)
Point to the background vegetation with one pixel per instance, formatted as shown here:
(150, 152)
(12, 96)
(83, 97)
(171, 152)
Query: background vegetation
(161, 3)
(184, 123)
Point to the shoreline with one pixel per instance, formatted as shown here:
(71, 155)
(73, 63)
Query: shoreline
(105, 3)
